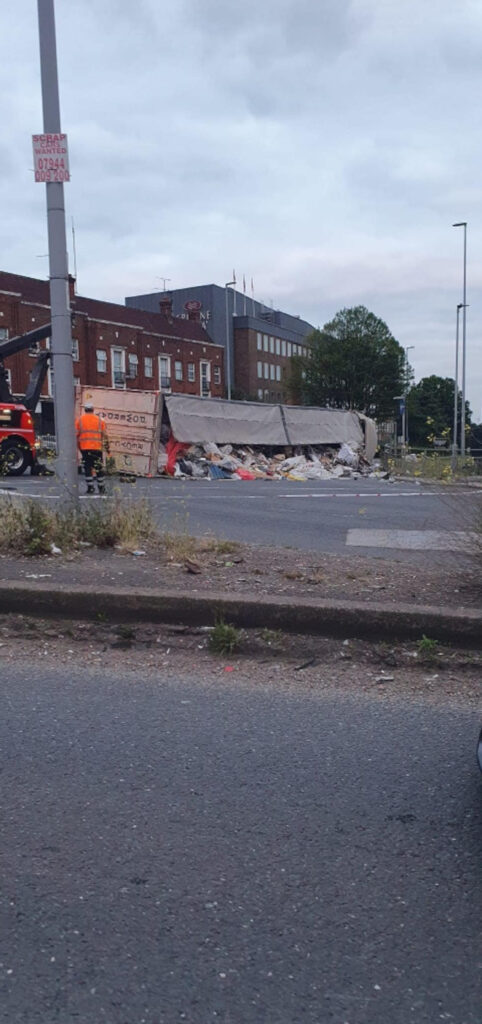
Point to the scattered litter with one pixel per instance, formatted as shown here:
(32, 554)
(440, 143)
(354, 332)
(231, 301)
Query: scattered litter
(138, 553)
(306, 664)
(192, 566)
(55, 550)
(229, 668)
(210, 461)
(384, 679)
(37, 575)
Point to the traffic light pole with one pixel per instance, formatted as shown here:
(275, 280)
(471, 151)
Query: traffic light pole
(61, 340)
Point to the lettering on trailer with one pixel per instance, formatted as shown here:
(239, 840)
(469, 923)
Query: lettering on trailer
(51, 158)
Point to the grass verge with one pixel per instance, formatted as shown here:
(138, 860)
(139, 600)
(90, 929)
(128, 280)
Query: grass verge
(36, 529)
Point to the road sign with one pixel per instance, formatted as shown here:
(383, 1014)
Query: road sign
(51, 158)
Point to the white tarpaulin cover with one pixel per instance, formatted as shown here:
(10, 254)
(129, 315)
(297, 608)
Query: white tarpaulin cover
(197, 420)
(310, 425)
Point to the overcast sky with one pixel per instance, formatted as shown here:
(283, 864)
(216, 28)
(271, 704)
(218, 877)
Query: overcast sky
(322, 147)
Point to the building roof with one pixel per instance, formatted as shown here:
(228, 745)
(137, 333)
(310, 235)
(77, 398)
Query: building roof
(33, 290)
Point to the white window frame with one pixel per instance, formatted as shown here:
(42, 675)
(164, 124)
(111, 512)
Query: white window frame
(278, 347)
(272, 372)
(217, 374)
(271, 346)
(205, 378)
(148, 367)
(260, 370)
(116, 350)
(3, 333)
(278, 372)
(178, 371)
(166, 377)
(266, 371)
(133, 364)
(265, 343)
(75, 350)
(283, 347)
(259, 342)
(260, 394)
(101, 357)
(191, 373)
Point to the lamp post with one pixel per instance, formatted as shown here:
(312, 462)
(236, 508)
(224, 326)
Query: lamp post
(456, 385)
(463, 224)
(405, 412)
(228, 342)
(61, 343)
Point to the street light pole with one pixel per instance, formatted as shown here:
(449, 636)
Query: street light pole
(405, 414)
(61, 340)
(228, 341)
(463, 224)
(456, 385)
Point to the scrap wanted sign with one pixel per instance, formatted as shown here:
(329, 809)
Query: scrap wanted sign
(50, 158)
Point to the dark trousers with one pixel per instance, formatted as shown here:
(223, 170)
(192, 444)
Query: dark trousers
(93, 464)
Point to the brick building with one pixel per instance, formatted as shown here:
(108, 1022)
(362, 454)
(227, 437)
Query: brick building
(113, 345)
(261, 340)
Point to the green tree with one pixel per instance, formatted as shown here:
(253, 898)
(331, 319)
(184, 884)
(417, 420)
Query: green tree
(354, 363)
(430, 409)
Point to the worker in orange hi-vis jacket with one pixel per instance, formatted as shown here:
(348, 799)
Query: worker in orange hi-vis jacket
(92, 440)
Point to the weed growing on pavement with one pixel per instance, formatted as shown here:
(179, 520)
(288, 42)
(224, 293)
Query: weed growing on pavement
(427, 648)
(32, 528)
(272, 637)
(224, 638)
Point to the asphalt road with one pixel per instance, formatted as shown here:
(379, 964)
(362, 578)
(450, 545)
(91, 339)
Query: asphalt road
(417, 521)
(194, 851)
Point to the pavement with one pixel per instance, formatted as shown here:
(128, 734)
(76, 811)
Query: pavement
(373, 517)
(176, 848)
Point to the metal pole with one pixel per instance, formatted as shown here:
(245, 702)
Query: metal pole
(228, 342)
(61, 341)
(456, 385)
(405, 432)
(463, 224)
(464, 349)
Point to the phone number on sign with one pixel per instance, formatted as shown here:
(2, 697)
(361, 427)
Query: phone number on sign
(52, 175)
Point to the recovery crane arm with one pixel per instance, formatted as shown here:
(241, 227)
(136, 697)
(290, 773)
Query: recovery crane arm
(39, 370)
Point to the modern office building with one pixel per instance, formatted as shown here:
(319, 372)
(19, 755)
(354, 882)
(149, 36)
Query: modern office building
(259, 341)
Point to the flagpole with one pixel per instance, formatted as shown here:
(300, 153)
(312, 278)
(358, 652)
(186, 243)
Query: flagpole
(234, 293)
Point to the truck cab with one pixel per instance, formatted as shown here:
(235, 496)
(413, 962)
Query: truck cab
(18, 445)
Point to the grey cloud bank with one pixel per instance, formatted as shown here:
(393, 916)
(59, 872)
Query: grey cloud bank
(324, 147)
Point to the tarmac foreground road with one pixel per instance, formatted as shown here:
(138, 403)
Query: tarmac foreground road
(177, 849)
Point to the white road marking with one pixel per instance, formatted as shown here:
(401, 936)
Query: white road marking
(411, 540)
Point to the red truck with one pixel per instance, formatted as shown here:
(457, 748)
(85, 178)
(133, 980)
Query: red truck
(18, 445)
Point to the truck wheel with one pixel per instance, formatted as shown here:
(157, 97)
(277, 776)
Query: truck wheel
(14, 458)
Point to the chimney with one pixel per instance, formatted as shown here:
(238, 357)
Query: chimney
(165, 306)
(194, 314)
(71, 288)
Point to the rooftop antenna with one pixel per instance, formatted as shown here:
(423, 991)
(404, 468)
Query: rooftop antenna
(163, 279)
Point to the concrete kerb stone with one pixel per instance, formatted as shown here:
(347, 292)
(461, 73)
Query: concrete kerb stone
(312, 616)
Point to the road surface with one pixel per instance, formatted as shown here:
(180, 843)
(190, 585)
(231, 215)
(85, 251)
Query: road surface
(181, 849)
(366, 516)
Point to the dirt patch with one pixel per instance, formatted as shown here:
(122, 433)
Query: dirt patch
(264, 658)
(198, 567)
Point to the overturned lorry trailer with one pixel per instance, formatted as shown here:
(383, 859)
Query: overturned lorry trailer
(138, 420)
(193, 420)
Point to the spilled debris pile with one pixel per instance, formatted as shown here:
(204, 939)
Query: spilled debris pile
(229, 462)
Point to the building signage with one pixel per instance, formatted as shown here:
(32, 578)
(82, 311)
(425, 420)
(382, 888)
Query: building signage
(50, 158)
(193, 306)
